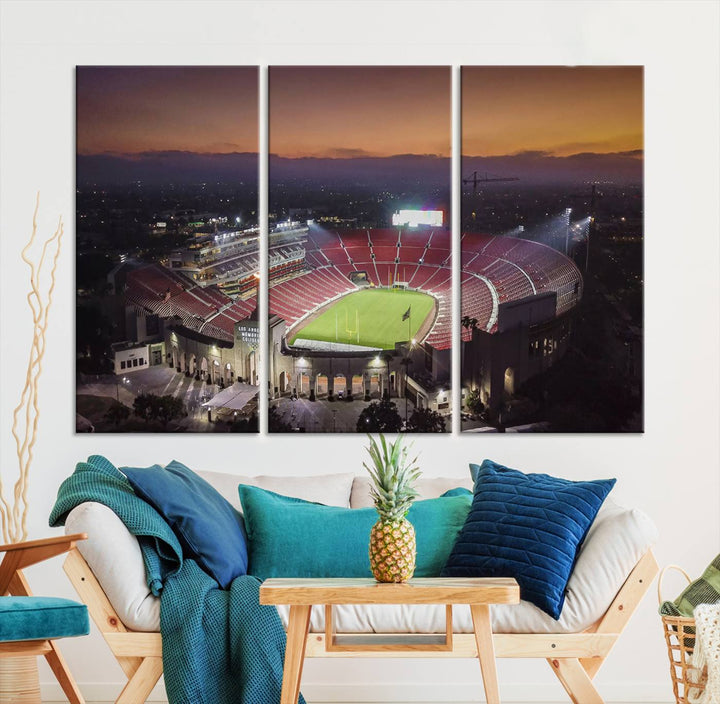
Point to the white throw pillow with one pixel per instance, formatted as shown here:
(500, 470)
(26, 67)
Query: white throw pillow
(328, 489)
(428, 488)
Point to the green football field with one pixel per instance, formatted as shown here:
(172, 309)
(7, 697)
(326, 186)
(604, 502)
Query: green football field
(371, 317)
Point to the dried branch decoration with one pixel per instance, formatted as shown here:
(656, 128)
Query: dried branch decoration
(13, 514)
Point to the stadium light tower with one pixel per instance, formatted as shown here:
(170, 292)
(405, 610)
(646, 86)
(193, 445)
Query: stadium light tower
(591, 226)
(567, 229)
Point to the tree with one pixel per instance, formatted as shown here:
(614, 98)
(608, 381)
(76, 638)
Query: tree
(379, 417)
(425, 420)
(164, 409)
(142, 407)
(474, 402)
(117, 413)
(469, 323)
(168, 408)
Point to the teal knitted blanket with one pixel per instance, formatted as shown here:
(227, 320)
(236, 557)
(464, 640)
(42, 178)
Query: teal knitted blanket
(219, 646)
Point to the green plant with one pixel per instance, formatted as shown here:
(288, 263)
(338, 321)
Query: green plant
(393, 476)
(473, 401)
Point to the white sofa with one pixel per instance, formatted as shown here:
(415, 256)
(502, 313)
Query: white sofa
(615, 547)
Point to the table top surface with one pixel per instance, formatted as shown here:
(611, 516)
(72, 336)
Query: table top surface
(436, 590)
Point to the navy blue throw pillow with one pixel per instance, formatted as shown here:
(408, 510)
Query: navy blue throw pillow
(526, 526)
(209, 529)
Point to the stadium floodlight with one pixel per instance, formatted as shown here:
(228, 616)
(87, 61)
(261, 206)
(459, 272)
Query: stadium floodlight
(413, 341)
(413, 218)
(567, 230)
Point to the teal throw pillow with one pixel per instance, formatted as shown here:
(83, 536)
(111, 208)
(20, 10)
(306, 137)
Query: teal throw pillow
(289, 537)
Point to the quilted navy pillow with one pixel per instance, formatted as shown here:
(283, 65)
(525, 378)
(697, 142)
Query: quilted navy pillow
(526, 526)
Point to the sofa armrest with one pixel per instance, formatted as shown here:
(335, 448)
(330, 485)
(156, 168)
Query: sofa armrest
(113, 554)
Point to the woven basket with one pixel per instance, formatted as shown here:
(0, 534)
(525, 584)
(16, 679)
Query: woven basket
(680, 640)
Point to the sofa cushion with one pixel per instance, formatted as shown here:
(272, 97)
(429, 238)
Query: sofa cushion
(40, 617)
(526, 526)
(328, 489)
(618, 538)
(290, 537)
(427, 488)
(210, 530)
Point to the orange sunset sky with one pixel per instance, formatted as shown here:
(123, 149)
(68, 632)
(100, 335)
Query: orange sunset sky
(557, 109)
(360, 111)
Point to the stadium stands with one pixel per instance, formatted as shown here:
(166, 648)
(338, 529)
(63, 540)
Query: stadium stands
(495, 270)
(387, 236)
(153, 289)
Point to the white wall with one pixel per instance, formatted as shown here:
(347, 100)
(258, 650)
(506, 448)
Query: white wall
(671, 471)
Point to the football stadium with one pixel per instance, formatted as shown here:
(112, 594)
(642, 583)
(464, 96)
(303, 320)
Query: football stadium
(357, 313)
(368, 312)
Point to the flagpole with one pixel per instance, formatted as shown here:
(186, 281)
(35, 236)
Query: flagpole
(408, 360)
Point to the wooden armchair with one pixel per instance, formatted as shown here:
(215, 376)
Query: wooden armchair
(30, 625)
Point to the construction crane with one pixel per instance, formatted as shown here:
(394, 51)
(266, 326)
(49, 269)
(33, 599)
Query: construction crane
(486, 178)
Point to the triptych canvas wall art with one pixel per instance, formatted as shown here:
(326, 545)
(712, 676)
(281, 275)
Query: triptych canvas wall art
(359, 265)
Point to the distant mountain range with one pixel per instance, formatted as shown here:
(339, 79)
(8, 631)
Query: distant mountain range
(162, 167)
(540, 167)
(156, 168)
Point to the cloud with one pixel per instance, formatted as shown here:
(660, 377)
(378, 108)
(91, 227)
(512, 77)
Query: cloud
(221, 147)
(346, 153)
(599, 146)
(630, 153)
(531, 154)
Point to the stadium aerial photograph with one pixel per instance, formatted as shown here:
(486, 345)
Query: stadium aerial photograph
(360, 270)
(552, 249)
(167, 249)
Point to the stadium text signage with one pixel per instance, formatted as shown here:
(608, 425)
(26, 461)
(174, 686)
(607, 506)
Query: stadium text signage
(250, 335)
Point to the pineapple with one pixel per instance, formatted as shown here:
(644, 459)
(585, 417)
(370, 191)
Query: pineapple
(392, 539)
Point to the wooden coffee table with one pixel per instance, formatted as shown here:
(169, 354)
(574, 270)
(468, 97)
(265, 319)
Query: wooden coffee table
(302, 594)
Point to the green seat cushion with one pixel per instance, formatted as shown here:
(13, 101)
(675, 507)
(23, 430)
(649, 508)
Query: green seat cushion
(289, 537)
(41, 617)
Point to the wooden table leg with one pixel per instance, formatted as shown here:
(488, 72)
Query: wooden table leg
(298, 627)
(486, 651)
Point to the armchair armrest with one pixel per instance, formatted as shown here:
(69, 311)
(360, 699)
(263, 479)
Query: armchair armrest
(21, 555)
